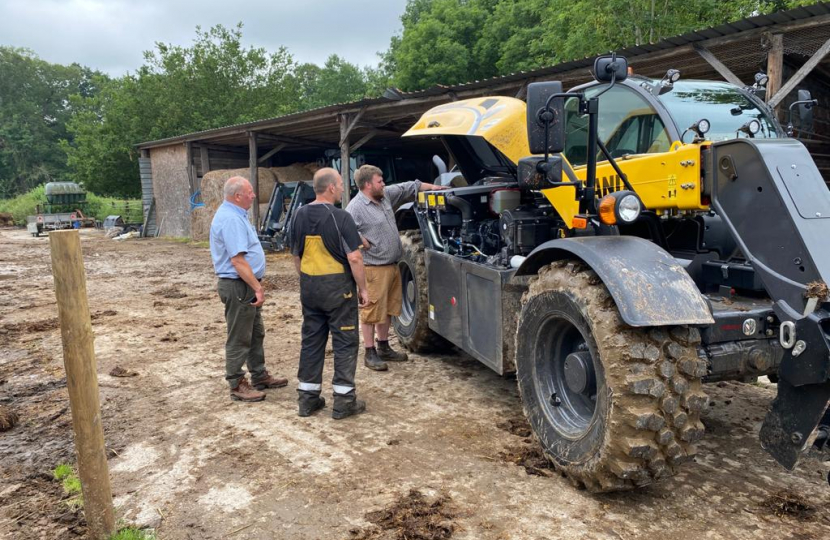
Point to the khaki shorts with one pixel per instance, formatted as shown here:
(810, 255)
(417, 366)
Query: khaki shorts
(384, 285)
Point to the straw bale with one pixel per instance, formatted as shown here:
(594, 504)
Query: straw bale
(213, 184)
(212, 188)
(298, 172)
(200, 219)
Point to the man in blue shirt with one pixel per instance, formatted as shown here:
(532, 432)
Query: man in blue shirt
(239, 263)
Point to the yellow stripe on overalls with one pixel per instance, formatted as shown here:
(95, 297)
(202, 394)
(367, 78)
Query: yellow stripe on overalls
(317, 261)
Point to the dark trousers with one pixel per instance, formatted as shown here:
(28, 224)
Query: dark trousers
(329, 307)
(246, 332)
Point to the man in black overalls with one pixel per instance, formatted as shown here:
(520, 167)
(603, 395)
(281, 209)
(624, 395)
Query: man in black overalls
(325, 245)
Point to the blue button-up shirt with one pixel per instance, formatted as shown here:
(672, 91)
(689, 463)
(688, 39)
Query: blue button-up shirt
(231, 234)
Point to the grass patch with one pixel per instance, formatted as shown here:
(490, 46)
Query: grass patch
(188, 241)
(131, 533)
(65, 474)
(96, 206)
(62, 471)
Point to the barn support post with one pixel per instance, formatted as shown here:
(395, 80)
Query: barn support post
(347, 124)
(191, 170)
(799, 75)
(252, 160)
(204, 154)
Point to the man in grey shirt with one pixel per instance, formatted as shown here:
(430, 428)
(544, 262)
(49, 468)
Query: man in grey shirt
(373, 211)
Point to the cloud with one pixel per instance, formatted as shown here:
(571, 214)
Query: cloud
(111, 35)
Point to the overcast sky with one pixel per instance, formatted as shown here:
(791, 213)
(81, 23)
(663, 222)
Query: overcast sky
(111, 35)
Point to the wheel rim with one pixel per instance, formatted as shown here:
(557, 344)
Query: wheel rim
(566, 377)
(409, 303)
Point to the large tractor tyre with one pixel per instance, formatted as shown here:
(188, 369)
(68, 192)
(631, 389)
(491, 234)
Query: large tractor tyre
(412, 326)
(614, 407)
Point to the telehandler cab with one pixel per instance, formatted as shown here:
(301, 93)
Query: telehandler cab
(617, 245)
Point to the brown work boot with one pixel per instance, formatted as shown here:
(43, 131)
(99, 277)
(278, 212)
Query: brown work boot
(267, 381)
(372, 361)
(387, 353)
(244, 392)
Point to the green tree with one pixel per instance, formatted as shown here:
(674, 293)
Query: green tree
(337, 81)
(454, 41)
(35, 106)
(213, 83)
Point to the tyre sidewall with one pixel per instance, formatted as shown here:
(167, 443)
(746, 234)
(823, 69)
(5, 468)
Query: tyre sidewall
(536, 312)
(407, 331)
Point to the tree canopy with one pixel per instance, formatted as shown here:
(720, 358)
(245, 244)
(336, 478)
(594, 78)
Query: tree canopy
(35, 106)
(73, 123)
(454, 41)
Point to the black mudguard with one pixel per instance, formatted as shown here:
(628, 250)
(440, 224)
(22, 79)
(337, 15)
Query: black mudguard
(648, 285)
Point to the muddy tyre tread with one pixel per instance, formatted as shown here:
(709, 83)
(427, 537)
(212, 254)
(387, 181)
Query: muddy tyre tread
(653, 380)
(422, 338)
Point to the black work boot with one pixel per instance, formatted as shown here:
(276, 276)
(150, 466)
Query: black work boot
(387, 353)
(372, 361)
(311, 406)
(350, 408)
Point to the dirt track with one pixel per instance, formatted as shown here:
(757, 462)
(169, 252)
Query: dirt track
(187, 460)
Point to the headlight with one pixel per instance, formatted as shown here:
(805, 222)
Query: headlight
(628, 208)
(754, 126)
(620, 207)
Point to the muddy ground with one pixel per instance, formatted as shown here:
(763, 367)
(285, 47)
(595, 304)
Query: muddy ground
(441, 453)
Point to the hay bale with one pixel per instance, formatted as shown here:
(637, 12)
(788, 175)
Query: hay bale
(298, 172)
(213, 184)
(200, 220)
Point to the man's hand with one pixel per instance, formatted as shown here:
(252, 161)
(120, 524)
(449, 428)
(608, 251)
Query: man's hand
(260, 298)
(363, 297)
(366, 244)
(431, 187)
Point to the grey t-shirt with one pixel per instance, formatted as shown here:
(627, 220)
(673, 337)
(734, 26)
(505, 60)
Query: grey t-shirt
(376, 222)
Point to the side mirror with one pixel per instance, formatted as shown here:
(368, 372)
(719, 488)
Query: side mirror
(611, 67)
(537, 118)
(805, 111)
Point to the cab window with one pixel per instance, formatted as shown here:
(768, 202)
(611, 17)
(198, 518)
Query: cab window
(628, 125)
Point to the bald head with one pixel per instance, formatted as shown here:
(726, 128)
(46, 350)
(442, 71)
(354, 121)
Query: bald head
(234, 185)
(324, 178)
(238, 191)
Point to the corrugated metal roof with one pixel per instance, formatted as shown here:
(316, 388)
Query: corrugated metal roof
(748, 24)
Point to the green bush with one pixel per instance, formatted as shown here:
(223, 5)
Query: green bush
(23, 205)
(96, 206)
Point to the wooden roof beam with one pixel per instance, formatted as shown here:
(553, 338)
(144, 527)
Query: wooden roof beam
(363, 140)
(724, 71)
(299, 141)
(272, 151)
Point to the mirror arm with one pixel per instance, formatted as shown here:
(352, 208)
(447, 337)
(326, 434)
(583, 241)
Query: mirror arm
(808, 104)
(613, 163)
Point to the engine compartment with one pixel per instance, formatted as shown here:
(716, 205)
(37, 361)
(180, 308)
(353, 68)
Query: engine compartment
(489, 223)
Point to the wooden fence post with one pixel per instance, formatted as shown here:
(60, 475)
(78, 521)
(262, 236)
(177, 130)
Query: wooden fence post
(82, 381)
